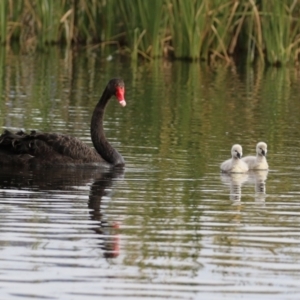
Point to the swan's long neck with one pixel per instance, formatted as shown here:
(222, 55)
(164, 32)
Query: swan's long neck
(103, 147)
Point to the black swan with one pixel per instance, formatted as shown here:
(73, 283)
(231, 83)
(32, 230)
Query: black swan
(50, 149)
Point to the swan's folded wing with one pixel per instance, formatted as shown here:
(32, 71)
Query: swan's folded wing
(62, 145)
(48, 146)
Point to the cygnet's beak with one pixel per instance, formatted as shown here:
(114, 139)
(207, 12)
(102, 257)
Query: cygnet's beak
(263, 152)
(239, 155)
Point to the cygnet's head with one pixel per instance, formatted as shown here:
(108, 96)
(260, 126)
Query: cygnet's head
(261, 149)
(236, 151)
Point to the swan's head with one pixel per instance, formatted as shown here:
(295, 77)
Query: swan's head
(117, 87)
(261, 149)
(236, 151)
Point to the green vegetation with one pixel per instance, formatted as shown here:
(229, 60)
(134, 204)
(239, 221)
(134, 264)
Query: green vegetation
(209, 30)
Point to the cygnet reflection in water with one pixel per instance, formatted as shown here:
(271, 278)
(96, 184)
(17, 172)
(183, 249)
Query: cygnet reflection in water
(258, 178)
(236, 181)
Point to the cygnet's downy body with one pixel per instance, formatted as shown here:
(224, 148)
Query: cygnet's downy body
(235, 164)
(258, 162)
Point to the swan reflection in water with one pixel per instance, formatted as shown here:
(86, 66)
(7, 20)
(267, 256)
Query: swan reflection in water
(101, 189)
(52, 181)
(235, 181)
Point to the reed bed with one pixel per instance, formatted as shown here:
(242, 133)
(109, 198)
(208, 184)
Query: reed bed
(208, 30)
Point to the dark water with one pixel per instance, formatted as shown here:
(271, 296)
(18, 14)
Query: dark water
(170, 225)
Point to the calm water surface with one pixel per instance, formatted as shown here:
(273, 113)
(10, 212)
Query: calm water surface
(169, 225)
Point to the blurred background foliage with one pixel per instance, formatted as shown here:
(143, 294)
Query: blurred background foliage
(209, 30)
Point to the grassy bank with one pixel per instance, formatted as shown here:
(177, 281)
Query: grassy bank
(209, 30)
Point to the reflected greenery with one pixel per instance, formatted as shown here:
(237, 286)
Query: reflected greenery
(184, 116)
(176, 215)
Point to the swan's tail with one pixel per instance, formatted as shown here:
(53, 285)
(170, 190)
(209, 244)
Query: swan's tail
(14, 148)
(16, 143)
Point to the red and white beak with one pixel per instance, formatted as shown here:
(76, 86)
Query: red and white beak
(120, 92)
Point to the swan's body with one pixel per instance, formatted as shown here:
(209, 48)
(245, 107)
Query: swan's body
(235, 164)
(48, 149)
(258, 162)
